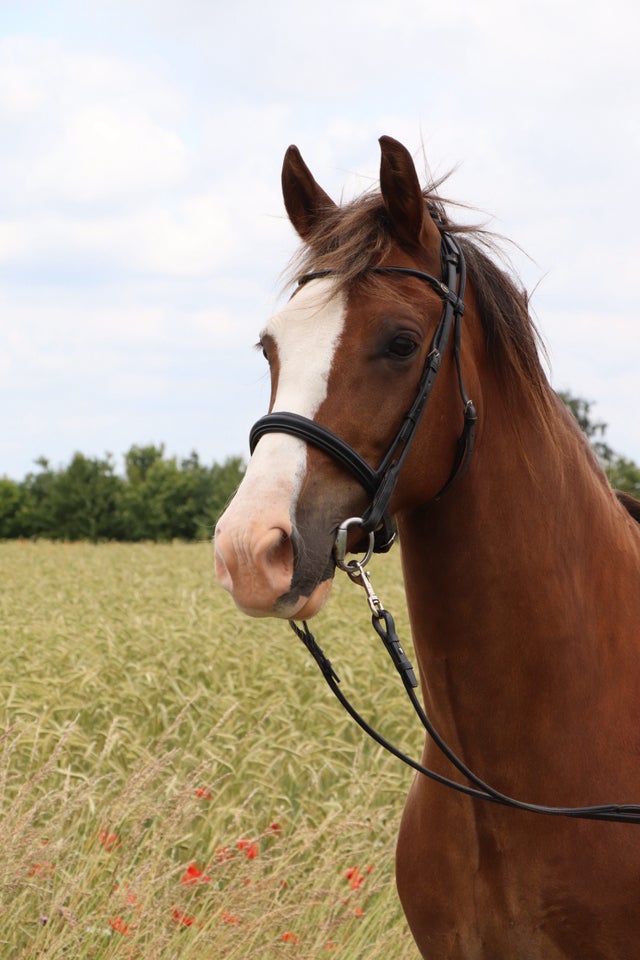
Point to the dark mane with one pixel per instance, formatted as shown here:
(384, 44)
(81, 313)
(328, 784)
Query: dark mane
(353, 238)
(631, 505)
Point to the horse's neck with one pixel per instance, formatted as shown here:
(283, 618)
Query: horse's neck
(504, 578)
(532, 509)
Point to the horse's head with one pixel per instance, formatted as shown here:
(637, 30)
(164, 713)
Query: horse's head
(351, 352)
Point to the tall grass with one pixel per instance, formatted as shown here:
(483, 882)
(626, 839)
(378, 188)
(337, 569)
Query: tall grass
(176, 780)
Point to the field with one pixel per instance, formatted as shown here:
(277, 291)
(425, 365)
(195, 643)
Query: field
(176, 780)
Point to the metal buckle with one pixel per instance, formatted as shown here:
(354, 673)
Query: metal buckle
(340, 545)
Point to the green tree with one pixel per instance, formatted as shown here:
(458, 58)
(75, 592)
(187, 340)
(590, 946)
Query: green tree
(34, 515)
(165, 499)
(159, 498)
(83, 500)
(140, 515)
(623, 474)
(10, 505)
(224, 481)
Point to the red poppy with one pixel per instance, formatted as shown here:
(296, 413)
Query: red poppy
(108, 840)
(129, 896)
(354, 877)
(182, 919)
(250, 849)
(118, 923)
(229, 917)
(203, 793)
(290, 937)
(40, 869)
(194, 875)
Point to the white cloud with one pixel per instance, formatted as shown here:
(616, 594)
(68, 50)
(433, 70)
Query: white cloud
(85, 129)
(142, 228)
(104, 152)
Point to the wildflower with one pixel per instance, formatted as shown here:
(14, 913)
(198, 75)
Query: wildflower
(182, 919)
(130, 897)
(193, 876)
(354, 877)
(41, 869)
(290, 937)
(118, 924)
(275, 827)
(229, 917)
(358, 912)
(108, 840)
(250, 849)
(203, 793)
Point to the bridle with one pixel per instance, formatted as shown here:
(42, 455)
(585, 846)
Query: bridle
(379, 483)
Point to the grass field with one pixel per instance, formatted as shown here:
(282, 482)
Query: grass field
(176, 780)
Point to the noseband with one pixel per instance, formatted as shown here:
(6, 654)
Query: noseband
(380, 482)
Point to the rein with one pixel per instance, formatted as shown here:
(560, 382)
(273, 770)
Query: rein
(385, 628)
(380, 483)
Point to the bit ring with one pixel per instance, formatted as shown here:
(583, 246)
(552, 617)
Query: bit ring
(340, 545)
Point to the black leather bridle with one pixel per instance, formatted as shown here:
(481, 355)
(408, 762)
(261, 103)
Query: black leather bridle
(380, 482)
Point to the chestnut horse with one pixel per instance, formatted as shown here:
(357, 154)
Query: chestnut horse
(522, 577)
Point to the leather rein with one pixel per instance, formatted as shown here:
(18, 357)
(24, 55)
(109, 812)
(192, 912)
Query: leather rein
(379, 484)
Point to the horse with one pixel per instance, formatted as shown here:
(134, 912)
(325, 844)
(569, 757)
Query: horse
(521, 567)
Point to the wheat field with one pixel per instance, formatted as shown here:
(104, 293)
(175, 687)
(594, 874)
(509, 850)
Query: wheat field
(176, 780)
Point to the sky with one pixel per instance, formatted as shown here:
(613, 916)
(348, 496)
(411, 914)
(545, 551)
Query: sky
(142, 230)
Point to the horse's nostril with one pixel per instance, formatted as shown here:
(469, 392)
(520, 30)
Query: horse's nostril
(280, 553)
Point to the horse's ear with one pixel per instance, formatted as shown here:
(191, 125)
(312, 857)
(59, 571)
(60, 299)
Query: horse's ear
(305, 201)
(401, 192)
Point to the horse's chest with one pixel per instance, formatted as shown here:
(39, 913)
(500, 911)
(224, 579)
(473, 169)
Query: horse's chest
(541, 891)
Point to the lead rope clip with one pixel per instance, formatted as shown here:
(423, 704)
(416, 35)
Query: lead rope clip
(359, 575)
(380, 618)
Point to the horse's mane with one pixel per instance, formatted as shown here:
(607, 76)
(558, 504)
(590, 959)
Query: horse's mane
(631, 505)
(353, 238)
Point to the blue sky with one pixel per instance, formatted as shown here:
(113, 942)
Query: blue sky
(142, 234)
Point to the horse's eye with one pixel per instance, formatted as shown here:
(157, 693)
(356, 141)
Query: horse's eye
(261, 346)
(402, 347)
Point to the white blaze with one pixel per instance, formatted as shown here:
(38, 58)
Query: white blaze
(306, 332)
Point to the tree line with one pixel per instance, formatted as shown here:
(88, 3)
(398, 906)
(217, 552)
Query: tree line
(160, 498)
(622, 473)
